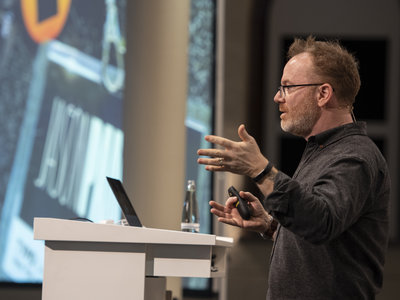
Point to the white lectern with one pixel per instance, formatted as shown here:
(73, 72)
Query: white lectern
(85, 260)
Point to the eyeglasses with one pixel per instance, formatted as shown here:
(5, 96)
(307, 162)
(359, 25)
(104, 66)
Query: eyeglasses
(282, 89)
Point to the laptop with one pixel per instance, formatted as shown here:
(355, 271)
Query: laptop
(124, 202)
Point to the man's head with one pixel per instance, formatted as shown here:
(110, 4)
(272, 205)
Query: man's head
(333, 64)
(318, 87)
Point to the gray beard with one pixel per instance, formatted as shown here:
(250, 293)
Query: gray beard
(303, 125)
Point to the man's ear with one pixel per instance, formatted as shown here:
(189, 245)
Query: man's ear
(325, 95)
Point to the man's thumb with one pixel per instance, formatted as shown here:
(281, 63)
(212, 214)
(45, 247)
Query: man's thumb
(243, 134)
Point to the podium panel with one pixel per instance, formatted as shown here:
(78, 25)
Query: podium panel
(80, 270)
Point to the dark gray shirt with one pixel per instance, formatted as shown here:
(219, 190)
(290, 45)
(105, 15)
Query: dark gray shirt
(334, 219)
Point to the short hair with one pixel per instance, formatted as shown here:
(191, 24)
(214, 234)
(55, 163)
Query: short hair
(334, 64)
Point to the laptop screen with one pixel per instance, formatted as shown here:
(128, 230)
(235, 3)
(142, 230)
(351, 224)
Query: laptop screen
(124, 202)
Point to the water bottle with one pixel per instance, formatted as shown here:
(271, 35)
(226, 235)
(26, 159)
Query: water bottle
(190, 215)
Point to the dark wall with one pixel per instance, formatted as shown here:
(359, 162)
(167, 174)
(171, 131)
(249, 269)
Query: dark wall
(9, 291)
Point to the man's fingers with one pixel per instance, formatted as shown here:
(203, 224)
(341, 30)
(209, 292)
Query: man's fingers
(218, 213)
(222, 212)
(248, 196)
(210, 152)
(226, 143)
(216, 205)
(219, 162)
(227, 221)
(231, 202)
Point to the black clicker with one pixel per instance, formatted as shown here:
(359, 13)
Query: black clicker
(241, 204)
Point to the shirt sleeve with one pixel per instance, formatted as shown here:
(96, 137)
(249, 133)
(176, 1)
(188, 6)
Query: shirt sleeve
(321, 210)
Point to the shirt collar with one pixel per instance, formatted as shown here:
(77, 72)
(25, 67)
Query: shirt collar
(337, 133)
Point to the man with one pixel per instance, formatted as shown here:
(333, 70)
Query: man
(332, 215)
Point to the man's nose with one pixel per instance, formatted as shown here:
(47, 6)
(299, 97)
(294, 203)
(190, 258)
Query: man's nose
(278, 98)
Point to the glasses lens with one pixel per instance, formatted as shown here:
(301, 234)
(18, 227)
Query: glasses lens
(281, 91)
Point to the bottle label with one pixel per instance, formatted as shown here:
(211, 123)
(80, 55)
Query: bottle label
(192, 227)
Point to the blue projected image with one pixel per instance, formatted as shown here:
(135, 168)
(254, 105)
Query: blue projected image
(199, 111)
(61, 102)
